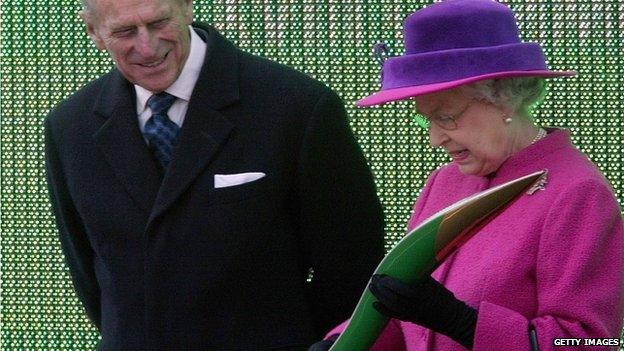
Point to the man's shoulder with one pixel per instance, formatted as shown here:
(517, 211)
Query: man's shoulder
(81, 101)
(273, 72)
(261, 74)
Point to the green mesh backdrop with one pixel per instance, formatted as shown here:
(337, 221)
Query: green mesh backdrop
(46, 56)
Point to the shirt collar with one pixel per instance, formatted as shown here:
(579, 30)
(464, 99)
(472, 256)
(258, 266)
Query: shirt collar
(182, 88)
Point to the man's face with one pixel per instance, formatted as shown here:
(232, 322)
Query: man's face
(149, 40)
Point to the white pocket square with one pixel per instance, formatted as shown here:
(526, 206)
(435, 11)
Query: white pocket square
(225, 180)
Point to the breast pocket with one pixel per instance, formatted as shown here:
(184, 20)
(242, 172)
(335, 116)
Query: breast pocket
(241, 192)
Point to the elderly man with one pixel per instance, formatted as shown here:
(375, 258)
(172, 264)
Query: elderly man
(206, 199)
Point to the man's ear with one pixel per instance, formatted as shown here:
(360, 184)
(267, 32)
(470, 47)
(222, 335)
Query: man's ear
(87, 18)
(188, 11)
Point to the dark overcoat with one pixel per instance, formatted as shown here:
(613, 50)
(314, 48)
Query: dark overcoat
(168, 261)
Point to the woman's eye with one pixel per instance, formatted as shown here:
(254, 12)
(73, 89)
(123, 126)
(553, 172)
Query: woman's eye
(421, 121)
(443, 118)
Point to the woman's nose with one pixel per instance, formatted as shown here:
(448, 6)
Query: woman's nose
(437, 135)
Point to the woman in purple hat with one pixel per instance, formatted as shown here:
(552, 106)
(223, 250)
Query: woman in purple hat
(551, 266)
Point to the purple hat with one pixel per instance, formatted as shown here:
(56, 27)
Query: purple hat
(455, 42)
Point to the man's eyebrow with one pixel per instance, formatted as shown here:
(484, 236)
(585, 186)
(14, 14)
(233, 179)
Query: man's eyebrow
(120, 28)
(119, 25)
(159, 19)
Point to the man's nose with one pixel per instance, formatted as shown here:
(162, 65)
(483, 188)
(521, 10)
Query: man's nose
(146, 43)
(437, 135)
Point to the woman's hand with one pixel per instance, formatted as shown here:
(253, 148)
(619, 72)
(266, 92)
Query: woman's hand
(428, 304)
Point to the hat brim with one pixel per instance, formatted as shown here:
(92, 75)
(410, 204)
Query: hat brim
(389, 95)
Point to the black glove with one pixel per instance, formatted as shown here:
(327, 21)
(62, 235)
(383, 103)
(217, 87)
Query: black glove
(428, 304)
(324, 345)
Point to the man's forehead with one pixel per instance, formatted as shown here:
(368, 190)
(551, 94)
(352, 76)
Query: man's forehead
(125, 12)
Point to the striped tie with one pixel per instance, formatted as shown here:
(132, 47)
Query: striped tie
(160, 131)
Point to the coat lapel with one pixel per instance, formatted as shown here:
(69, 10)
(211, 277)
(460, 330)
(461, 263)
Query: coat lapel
(205, 129)
(121, 141)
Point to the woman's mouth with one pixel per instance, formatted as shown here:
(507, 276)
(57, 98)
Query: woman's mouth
(459, 155)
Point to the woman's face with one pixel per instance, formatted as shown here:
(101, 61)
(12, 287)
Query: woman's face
(482, 140)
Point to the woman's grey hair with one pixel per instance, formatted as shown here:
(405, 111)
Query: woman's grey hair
(519, 94)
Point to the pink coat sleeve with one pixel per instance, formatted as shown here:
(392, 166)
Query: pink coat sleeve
(579, 277)
(416, 217)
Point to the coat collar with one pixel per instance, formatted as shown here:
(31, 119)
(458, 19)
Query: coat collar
(219, 85)
(120, 139)
(204, 130)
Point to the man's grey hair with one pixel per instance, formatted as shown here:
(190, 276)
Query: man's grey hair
(519, 94)
(87, 5)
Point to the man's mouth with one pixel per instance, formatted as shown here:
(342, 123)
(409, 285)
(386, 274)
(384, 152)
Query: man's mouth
(154, 63)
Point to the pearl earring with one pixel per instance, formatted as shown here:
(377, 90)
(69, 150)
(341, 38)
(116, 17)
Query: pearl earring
(508, 120)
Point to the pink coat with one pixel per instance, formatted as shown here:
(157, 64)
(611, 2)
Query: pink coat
(553, 260)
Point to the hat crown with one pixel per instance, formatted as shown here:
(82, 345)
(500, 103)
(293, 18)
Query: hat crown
(459, 24)
(457, 42)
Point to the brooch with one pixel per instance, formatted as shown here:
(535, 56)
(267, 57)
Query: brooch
(539, 184)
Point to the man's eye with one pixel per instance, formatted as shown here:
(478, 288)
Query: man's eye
(160, 23)
(123, 32)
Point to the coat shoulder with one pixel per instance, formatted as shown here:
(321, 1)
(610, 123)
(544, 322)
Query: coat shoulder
(279, 79)
(81, 102)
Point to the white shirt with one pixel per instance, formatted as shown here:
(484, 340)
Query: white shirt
(182, 88)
